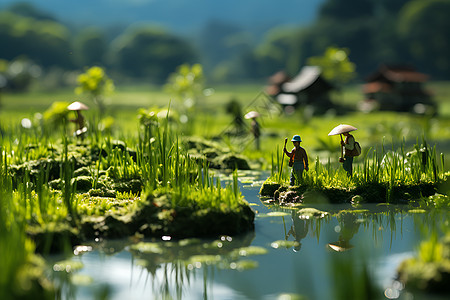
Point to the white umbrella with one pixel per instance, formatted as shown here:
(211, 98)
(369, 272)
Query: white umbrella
(340, 246)
(342, 128)
(77, 106)
(252, 114)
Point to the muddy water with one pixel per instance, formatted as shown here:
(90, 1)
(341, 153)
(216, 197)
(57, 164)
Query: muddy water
(287, 254)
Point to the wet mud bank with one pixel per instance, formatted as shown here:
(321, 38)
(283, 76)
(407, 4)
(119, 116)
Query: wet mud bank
(366, 193)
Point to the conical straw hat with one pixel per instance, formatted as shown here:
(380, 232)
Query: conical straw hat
(340, 129)
(77, 106)
(340, 246)
(251, 115)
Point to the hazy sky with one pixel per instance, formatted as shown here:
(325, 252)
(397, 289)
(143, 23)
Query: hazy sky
(179, 14)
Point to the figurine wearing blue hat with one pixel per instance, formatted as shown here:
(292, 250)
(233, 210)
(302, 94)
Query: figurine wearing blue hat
(298, 159)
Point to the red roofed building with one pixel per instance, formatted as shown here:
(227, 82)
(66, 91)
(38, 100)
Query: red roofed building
(397, 88)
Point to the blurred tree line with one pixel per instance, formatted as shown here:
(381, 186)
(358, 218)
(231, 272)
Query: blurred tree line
(374, 32)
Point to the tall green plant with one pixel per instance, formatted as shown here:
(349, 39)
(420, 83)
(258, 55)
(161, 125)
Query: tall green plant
(18, 272)
(95, 83)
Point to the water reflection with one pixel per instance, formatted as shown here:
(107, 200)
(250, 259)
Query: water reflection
(159, 269)
(298, 230)
(347, 228)
(228, 268)
(380, 237)
(171, 266)
(382, 220)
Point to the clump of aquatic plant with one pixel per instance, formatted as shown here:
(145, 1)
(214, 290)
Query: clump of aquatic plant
(428, 270)
(95, 83)
(163, 161)
(205, 197)
(187, 85)
(99, 206)
(440, 201)
(120, 164)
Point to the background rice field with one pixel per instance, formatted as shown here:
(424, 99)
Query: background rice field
(210, 117)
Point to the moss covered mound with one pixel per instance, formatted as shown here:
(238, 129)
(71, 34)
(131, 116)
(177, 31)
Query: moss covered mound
(218, 156)
(153, 217)
(268, 189)
(369, 193)
(82, 158)
(156, 217)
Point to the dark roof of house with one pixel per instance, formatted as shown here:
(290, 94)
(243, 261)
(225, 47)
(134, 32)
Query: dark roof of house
(397, 74)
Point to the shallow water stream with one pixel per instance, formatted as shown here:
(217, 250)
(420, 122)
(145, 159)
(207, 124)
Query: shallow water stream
(317, 257)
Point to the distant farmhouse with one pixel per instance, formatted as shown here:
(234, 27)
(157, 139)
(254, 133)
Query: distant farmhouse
(397, 88)
(308, 88)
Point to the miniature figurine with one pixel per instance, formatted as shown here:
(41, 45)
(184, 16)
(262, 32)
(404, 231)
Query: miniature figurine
(298, 160)
(348, 146)
(255, 128)
(79, 121)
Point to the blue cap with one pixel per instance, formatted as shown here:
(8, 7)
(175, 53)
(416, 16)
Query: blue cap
(296, 138)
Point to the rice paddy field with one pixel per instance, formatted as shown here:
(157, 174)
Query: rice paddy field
(211, 118)
(130, 212)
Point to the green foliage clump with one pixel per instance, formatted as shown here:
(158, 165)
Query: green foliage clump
(429, 271)
(187, 85)
(437, 200)
(95, 83)
(57, 113)
(187, 82)
(335, 65)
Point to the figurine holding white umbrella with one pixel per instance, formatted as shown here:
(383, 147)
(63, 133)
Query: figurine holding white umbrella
(351, 146)
(255, 128)
(341, 129)
(79, 121)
